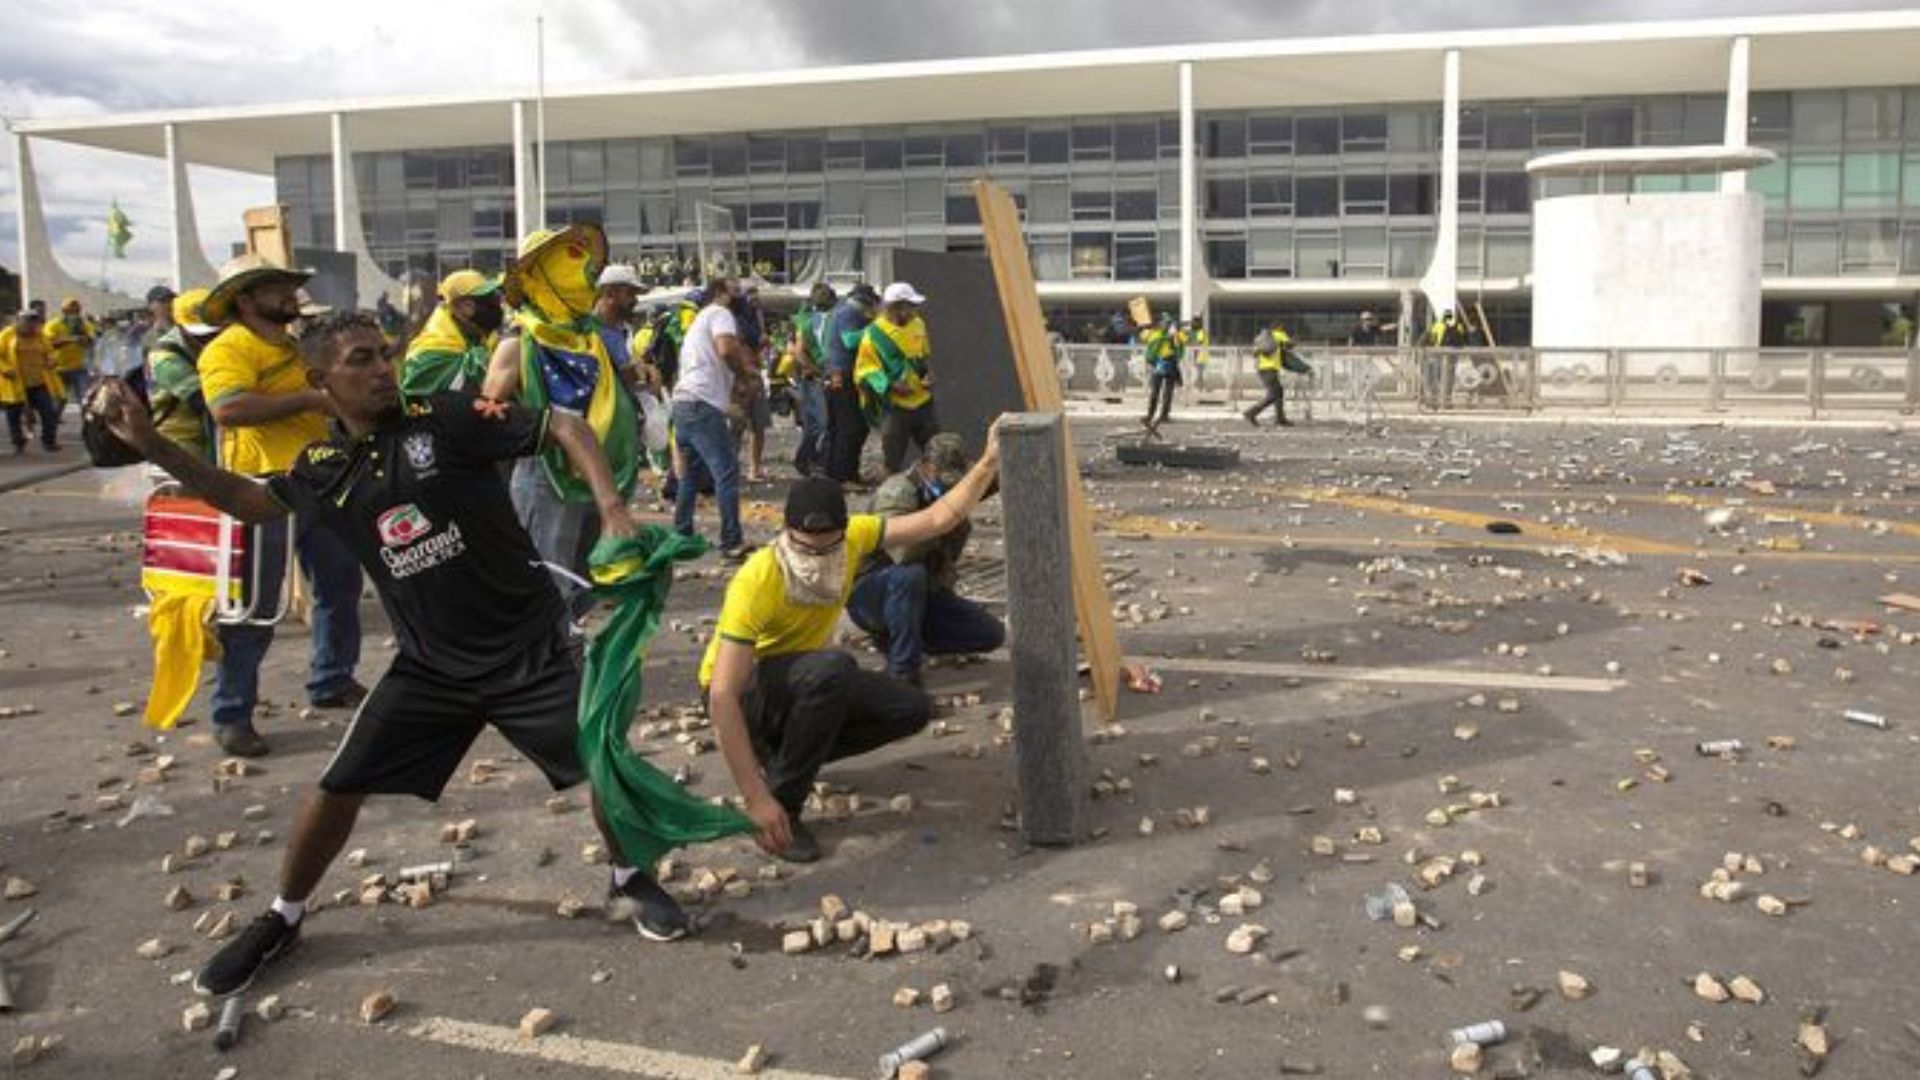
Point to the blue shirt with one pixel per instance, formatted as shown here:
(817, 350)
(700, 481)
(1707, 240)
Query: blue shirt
(844, 328)
(618, 342)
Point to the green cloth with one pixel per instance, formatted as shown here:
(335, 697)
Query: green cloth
(179, 408)
(646, 811)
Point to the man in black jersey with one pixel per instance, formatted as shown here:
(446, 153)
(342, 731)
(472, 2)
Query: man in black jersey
(411, 485)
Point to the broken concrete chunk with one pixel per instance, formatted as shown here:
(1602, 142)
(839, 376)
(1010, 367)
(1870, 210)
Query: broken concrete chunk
(154, 949)
(1245, 938)
(537, 1022)
(1771, 905)
(796, 942)
(270, 1008)
(752, 1061)
(941, 998)
(19, 888)
(1574, 986)
(1745, 989)
(1708, 988)
(906, 997)
(376, 1006)
(178, 898)
(1813, 1039)
(1466, 1058)
(1173, 921)
(197, 1017)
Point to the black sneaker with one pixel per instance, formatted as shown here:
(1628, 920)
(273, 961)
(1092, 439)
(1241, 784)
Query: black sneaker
(232, 969)
(805, 847)
(240, 740)
(737, 553)
(656, 915)
(346, 697)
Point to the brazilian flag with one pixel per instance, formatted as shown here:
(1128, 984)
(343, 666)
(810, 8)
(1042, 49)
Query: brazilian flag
(119, 230)
(646, 811)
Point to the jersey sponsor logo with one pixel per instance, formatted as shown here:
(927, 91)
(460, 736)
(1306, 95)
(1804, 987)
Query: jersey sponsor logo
(419, 448)
(425, 554)
(402, 525)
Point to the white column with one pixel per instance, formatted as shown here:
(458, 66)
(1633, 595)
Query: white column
(1739, 67)
(1189, 184)
(22, 180)
(342, 178)
(1441, 283)
(190, 266)
(522, 183)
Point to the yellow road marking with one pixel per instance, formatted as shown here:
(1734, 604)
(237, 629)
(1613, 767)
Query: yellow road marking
(613, 1057)
(1396, 675)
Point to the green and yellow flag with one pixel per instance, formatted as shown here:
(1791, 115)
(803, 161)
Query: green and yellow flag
(119, 230)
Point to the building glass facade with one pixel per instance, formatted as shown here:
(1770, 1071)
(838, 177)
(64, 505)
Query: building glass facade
(1303, 194)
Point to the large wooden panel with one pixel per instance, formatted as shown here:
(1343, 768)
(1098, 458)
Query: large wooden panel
(1040, 384)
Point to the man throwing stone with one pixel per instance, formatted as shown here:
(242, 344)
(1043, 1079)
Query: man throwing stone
(412, 487)
(783, 704)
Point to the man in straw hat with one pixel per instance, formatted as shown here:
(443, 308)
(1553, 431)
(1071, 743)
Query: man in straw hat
(409, 485)
(559, 361)
(267, 412)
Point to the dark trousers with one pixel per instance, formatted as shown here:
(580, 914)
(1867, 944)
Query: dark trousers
(846, 433)
(904, 427)
(1276, 396)
(43, 407)
(806, 709)
(1160, 396)
(912, 620)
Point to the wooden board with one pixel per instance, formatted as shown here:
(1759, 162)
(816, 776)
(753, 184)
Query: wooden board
(267, 234)
(1140, 311)
(975, 377)
(1903, 601)
(1040, 386)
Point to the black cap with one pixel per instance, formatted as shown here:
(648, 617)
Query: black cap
(160, 294)
(864, 295)
(816, 505)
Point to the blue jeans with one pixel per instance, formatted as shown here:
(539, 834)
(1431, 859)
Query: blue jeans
(911, 620)
(810, 405)
(334, 576)
(700, 430)
(562, 532)
(76, 381)
(41, 402)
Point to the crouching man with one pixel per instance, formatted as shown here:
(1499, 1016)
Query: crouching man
(411, 487)
(783, 704)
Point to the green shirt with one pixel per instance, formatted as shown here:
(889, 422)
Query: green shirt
(174, 385)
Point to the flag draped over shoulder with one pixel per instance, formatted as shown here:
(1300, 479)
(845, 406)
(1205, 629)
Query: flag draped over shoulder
(646, 811)
(891, 367)
(564, 365)
(119, 230)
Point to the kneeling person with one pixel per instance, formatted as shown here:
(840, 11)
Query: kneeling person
(411, 487)
(783, 704)
(905, 596)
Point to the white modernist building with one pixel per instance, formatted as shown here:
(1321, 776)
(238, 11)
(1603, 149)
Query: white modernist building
(1302, 179)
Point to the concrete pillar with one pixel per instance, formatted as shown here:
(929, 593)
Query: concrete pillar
(1739, 78)
(1189, 198)
(190, 266)
(41, 275)
(343, 185)
(522, 178)
(1441, 283)
(1049, 752)
(370, 281)
(22, 180)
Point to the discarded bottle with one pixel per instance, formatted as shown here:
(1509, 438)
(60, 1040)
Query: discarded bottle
(6, 991)
(1380, 904)
(1720, 748)
(18, 923)
(922, 1046)
(227, 1033)
(1641, 1070)
(424, 871)
(1489, 1033)
(1867, 719)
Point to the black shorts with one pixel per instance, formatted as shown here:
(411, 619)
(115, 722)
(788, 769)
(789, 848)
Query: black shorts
(416, 725)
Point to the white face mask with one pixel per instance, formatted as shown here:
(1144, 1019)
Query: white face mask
(813, 580)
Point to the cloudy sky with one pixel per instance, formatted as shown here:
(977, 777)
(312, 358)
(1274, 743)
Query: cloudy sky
(62, 58)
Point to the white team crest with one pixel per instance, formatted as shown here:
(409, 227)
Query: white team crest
(419, 447)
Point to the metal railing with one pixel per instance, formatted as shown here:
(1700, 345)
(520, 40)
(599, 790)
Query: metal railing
(1360, 384)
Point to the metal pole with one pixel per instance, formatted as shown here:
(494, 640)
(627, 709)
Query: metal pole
(540, 115)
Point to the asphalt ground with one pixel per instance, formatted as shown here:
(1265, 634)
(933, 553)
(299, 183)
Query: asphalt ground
(1334, 605)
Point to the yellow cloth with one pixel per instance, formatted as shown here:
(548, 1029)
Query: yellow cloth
(1272, 361)
(240, 361)
(23, 363)
(908, 390)
(69, 343)
(182, 642)
(756, 610)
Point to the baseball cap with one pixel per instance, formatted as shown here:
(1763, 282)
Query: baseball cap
(947, 453)
(816, 505)
(863, 294)
(160, 294)
(902, 293)
(620, 274)
(464, 283)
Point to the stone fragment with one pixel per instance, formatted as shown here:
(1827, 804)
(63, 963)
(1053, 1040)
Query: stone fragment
(906, 997)
(19, 888)
(914, 1070)
(1466, 1058)
(1574, 986)
(1813, 1039)
(796, 942)
(752, 1061)
(376, 1006)
(178, 898)
(1771, 905)
(941, 998)
(1245, 938)
(197, 1017)
(195, 846)
(154, 949)
(1708, 988)
(1745, 989)
(833, 909)
(537, 1022)
(1173, 921)
(270, 1008)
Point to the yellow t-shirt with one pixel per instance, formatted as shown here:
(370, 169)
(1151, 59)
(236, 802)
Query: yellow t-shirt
(240, 361)
(68, 344)
(756, 610)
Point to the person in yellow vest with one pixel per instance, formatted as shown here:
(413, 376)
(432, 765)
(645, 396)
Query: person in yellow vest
(1166, 345)
(70, 338)
(257, 390)
(891, 372)
(452, 349)
(1447, 332)
(1273, 353)
(28, 382)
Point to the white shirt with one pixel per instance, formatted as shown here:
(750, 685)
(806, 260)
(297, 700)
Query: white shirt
(704, 376)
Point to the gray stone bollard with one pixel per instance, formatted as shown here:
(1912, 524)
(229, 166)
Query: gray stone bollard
(1048, 746)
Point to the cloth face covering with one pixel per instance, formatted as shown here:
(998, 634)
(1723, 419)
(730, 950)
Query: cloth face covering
(813, 580)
